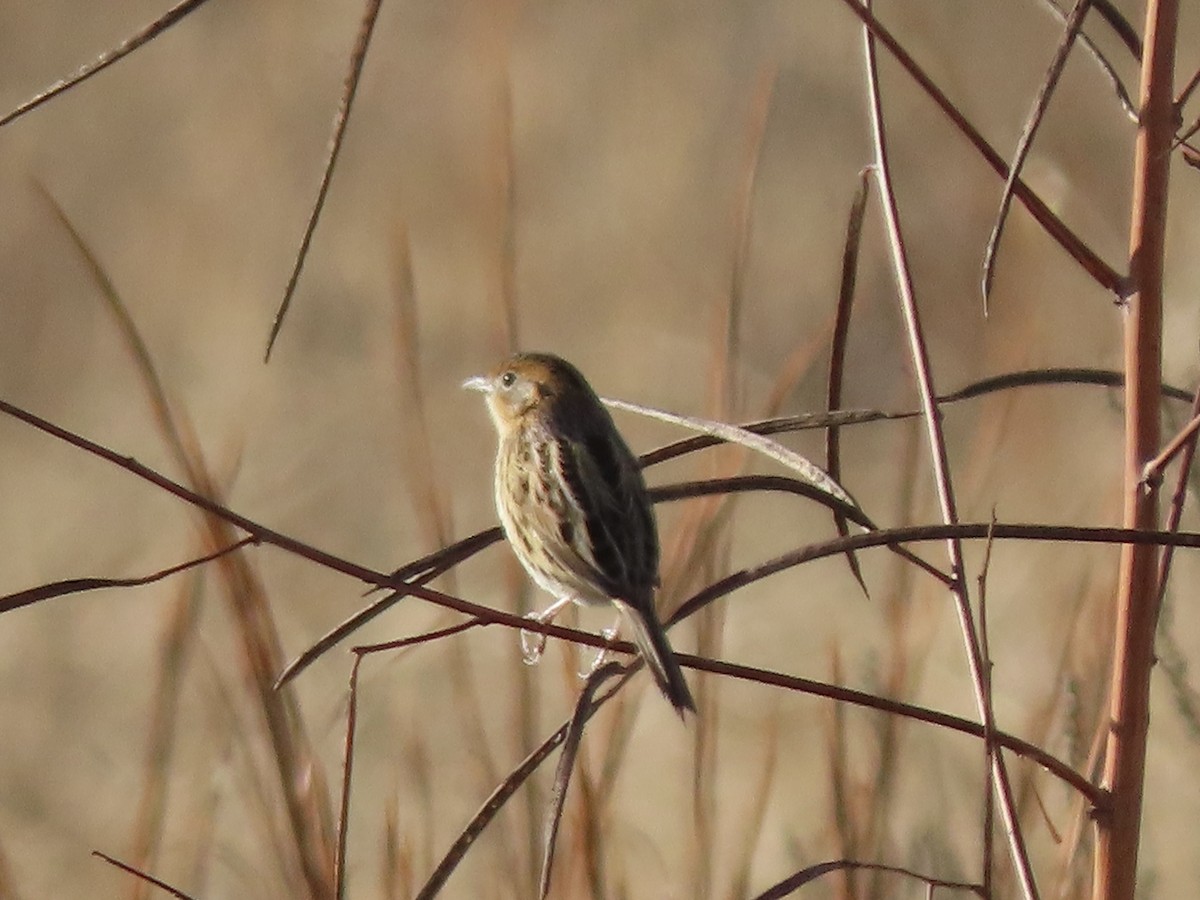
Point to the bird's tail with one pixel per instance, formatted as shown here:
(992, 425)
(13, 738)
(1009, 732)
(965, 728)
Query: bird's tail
(651, 640)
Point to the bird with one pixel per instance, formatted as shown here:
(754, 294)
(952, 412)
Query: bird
(573, 504)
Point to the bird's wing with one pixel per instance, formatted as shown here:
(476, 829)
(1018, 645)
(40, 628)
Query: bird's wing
(606, 486)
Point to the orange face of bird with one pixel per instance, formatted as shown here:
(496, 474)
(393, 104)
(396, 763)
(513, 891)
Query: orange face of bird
(518, 385)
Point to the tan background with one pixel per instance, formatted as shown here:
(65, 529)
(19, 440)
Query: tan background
(189, 168)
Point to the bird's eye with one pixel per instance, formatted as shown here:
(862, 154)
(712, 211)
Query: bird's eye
(508, 379)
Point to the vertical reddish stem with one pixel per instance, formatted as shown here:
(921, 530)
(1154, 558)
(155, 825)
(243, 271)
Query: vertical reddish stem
(1118, 828)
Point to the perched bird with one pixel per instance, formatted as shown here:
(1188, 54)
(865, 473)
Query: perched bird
(573, 504)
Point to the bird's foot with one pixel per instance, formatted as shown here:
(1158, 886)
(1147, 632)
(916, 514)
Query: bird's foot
(533, 643)
(608, 634)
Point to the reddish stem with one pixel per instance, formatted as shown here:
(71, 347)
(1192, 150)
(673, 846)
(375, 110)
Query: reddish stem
(1137, 602)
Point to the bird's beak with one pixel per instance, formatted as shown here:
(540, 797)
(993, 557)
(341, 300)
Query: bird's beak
(480, 383)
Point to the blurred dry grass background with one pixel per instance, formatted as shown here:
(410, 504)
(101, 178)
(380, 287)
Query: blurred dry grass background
(189, 169)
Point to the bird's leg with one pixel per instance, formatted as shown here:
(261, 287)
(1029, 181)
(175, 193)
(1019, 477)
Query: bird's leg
(608, 634)
(533, 643)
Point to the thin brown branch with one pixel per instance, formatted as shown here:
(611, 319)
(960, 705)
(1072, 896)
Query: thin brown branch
(1100, 271)
(809, 874)
(1121, 27)
(1152, 471)
(343, 826)
(1025, 143)
(106, 59)
(989, 727)
(1178, 497)
(981, 531)
(340, 119)
(418, 573)
(416, 640)
(1110, 15)
(1186, 93)
(79, 585)
(1032, 752)
(138, 873)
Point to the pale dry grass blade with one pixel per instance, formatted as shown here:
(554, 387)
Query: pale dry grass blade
(1107, 378)
(175, 644)
(809, 471)
(433, 513)
(8, 885)
(841, 787)
(396, 875)
(754, 820)
(299, 776)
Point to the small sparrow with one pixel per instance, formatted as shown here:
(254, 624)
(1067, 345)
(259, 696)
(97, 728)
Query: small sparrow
(573, 504)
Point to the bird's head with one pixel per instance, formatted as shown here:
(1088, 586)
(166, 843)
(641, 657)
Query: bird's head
(527, 384)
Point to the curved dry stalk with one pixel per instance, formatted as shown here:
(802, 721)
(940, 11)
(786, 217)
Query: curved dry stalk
(425, 637)
(837, 352)
(939, 458)
(424, 570)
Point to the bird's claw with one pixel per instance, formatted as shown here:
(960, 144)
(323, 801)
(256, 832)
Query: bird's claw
(608, 634)
(533, 643)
